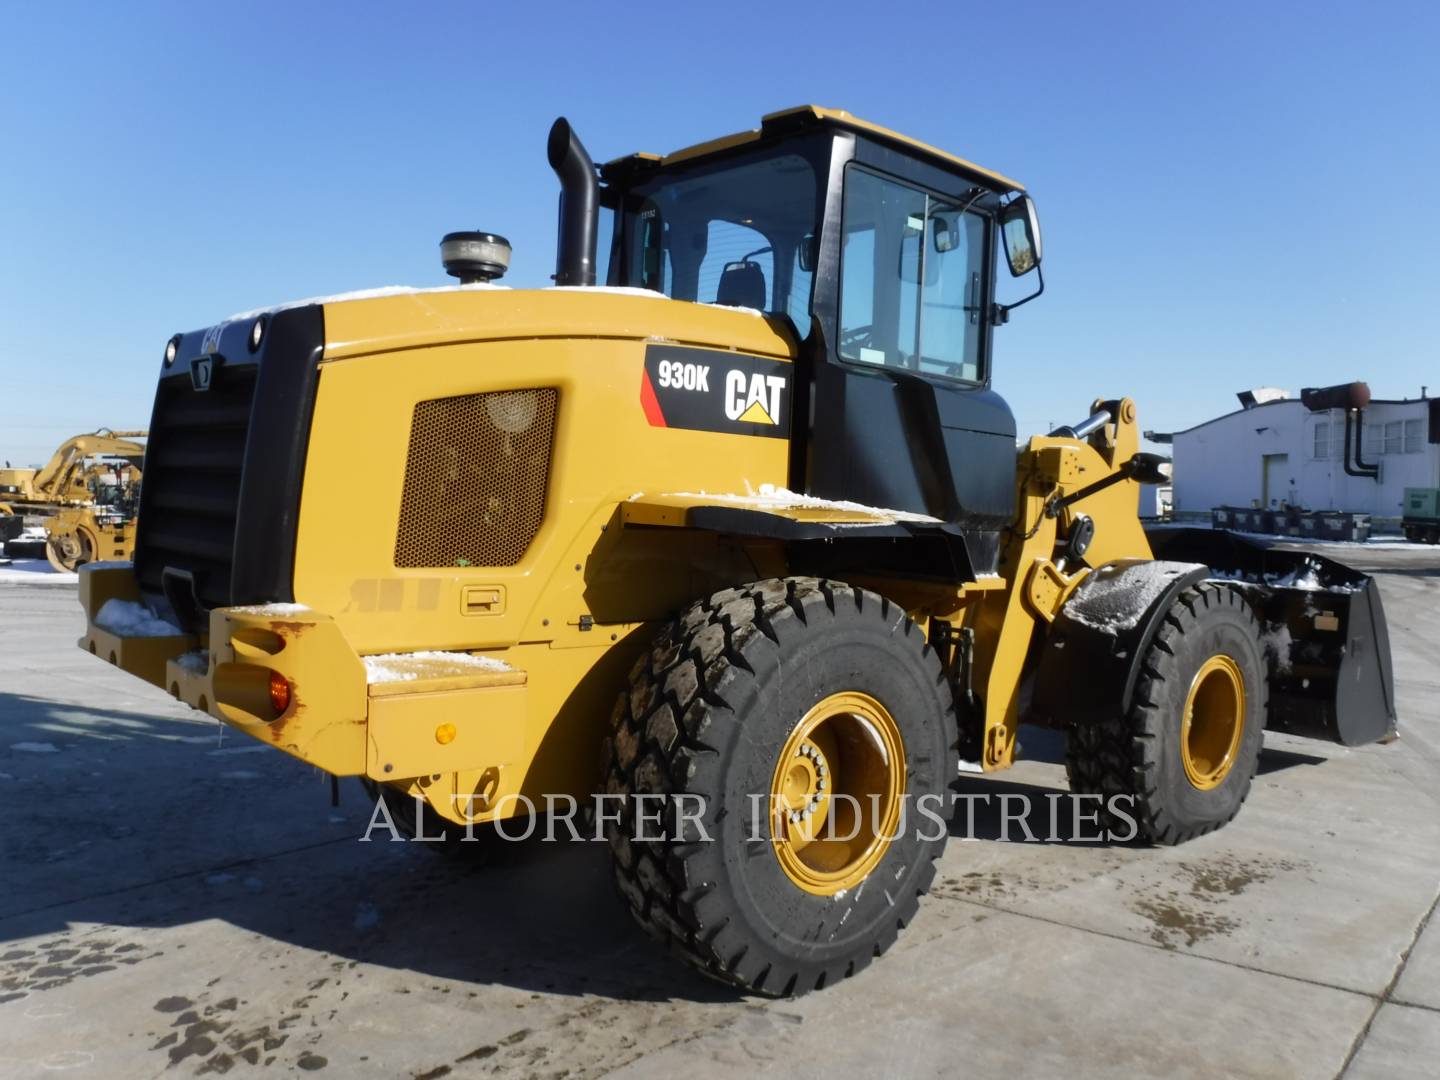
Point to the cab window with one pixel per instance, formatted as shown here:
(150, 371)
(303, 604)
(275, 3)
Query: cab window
(911, 291)
(739, 233)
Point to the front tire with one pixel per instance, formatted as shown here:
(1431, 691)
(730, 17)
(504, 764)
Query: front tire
(1182, 759)
(783, 696)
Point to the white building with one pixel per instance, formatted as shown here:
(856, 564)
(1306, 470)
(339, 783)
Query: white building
(1276, 452)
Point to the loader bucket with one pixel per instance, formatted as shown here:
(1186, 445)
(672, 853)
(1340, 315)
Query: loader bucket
(1323, 627)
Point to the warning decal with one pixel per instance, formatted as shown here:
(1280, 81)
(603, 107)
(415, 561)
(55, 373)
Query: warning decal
(711, 390)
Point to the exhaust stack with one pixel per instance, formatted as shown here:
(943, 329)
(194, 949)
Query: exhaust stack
(579, 206)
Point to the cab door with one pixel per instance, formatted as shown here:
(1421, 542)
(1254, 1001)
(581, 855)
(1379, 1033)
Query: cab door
(902, 413)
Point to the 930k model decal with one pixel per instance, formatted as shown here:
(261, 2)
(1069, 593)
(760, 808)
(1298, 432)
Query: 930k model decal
(710, 390)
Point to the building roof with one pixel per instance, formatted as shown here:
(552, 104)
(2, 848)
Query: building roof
(1292, 401)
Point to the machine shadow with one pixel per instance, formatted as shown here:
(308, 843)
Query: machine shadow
(1008, 811)
(997, 808)
(1273, 759)
(532, 915)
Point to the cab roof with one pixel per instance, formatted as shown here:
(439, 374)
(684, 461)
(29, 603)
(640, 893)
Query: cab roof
(804, 116)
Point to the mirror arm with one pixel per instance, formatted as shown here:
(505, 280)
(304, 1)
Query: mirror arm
(1001, 314)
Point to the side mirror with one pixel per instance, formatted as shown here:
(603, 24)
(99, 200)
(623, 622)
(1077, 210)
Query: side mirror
(808, 252)
(1020, 229)
(912, 253)
(947, 232)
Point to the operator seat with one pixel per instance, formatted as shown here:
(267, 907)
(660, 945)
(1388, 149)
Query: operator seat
(742, 284)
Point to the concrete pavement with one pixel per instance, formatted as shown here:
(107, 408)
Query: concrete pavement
(175, 901)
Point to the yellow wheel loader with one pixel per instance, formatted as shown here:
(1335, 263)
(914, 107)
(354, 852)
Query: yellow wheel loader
(747, 523)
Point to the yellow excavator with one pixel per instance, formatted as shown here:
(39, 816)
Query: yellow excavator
(87, 495)
(747, 522)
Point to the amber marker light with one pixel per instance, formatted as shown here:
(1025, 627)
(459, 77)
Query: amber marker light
(279, 692)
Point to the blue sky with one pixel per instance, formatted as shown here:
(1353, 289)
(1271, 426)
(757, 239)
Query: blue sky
(1232, 194)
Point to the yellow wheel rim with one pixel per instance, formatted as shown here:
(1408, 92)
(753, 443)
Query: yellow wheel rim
(837, 793)
(1214, 722)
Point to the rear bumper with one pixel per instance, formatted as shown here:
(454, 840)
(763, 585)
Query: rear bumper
(433, 723)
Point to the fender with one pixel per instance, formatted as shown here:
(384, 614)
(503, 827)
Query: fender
(1090, 661)
(835, 540)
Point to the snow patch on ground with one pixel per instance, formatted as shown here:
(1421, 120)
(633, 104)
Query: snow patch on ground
(35, 747)
(400, 667)
(770, 497)
(129, 619)
(34, 572)
(1114, 597)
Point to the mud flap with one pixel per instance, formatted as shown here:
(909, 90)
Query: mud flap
(1326, 641)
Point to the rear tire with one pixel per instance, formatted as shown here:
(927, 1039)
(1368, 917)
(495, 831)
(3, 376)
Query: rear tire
(1182, 759)
(715, 711)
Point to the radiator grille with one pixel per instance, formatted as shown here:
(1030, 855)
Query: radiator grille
(191, 489)
(475, 479)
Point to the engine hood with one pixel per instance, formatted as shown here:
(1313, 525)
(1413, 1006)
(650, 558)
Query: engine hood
(368, 324)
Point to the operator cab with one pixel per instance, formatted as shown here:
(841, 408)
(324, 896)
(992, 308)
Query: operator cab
(878, 254)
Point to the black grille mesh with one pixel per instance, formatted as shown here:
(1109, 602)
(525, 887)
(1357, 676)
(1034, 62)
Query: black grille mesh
(475, 478)
(191, 490)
